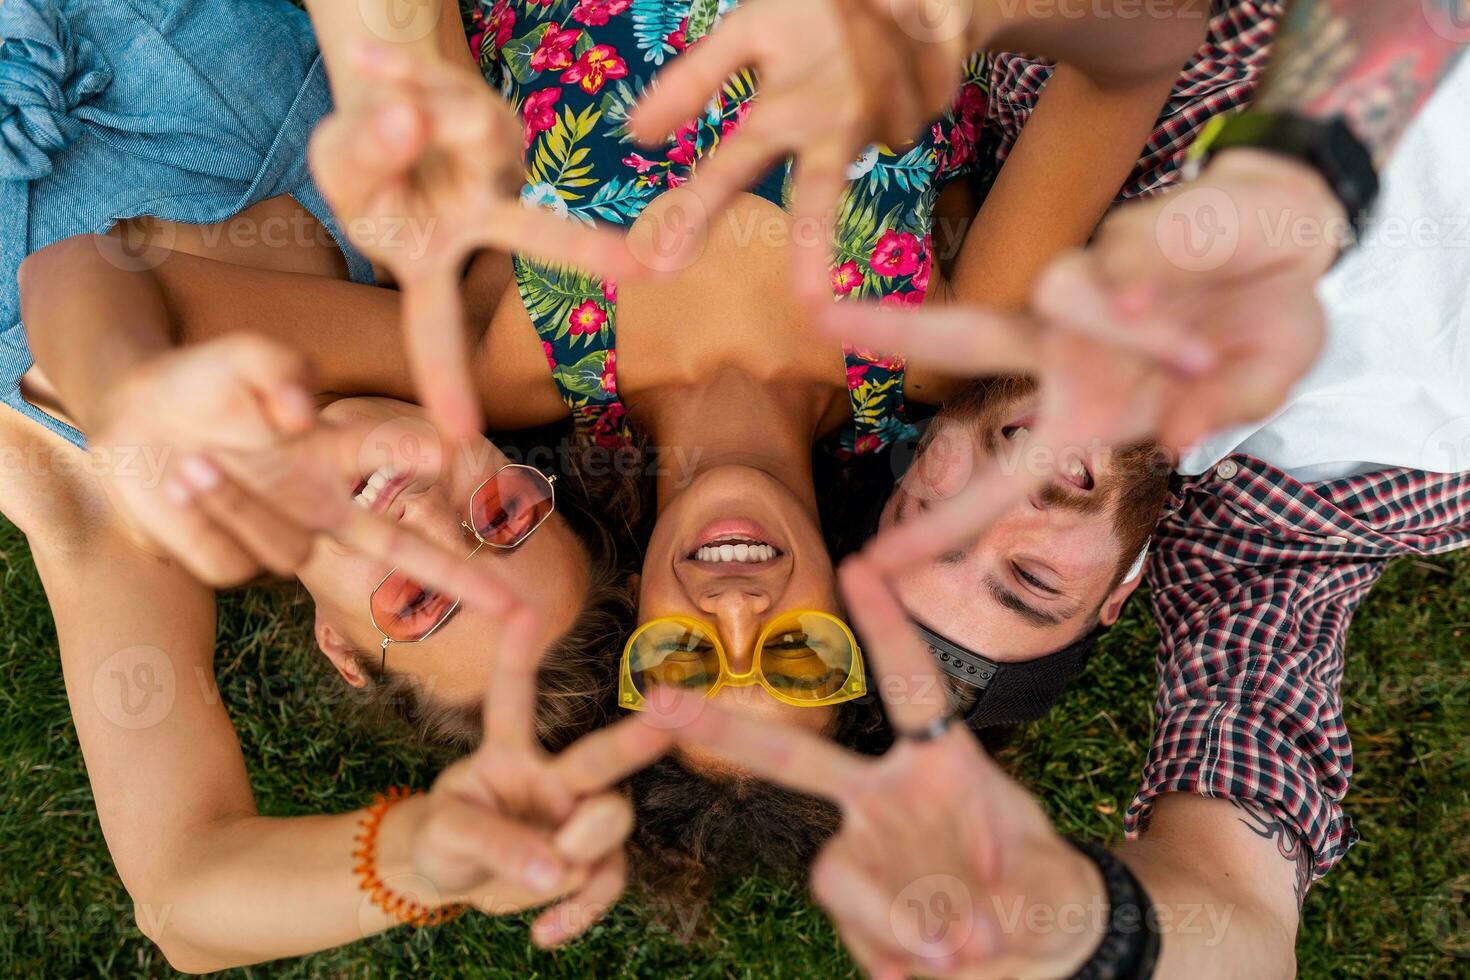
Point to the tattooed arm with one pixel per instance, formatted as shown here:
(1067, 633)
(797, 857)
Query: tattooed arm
(1373, 62)
(1226, 879)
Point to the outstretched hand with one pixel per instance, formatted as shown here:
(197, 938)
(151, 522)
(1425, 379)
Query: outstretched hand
(1188, 314)
(511, 827)
(937, 845)
(247, 476)
(835, 76)
(420, 177)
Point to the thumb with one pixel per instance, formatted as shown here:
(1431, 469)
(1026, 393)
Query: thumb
(354, 154)
(278, 378)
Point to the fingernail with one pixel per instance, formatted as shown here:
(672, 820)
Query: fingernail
(1194, 357)
(542, 875)
(199, 473)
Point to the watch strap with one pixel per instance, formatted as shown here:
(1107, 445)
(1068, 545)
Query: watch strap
(1130, 948)
(1327, 146)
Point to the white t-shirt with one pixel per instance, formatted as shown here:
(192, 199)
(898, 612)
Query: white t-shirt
(1393, 386)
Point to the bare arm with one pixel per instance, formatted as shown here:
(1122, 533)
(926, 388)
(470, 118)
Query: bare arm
(88, 319)
(1373, 62)
(427, 28)
(214, 884)
(1227, 882)
(1073, 155)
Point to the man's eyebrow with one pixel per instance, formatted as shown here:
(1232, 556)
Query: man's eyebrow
(1032, 614)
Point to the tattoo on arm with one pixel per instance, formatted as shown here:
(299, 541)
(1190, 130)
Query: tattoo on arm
(1373, 62)
(1288, 844)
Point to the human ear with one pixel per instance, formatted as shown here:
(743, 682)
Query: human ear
(342, 654)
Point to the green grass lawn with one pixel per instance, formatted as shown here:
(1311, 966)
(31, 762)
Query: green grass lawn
(1397, 905)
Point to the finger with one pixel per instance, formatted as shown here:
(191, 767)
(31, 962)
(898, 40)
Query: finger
(857, 906)
(571, 918)
(816, 195)
(969, 341)
(466, 844)
(909, 682)
(433, 324)
(264, 535)
(607, 755)
(210, 555)
(691, 80)
(545, 237)
(354, 158)
(792, 757)
(1069, 296)
(953, 524)
(510, 703)
(393, 544)
(278, 376)
(597, 827)
(741, 158)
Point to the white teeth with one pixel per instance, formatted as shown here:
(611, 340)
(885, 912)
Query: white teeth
(1020, 432)
(747, 554)
(368, 495)
(1076, 468)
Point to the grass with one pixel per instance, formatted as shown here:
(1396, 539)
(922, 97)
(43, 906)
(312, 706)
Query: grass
(1395, 907)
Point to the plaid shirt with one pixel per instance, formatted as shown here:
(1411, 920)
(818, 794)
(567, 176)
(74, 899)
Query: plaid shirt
(1221, 78)
(1254, 580)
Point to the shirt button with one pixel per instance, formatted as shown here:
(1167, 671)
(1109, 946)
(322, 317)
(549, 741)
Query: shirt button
(1227, 470)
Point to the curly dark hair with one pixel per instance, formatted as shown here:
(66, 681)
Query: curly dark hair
(696, 830)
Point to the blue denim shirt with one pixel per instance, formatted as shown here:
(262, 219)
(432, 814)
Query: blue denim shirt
(185, 110)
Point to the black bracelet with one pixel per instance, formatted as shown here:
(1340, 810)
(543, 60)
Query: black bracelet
(1130, 948)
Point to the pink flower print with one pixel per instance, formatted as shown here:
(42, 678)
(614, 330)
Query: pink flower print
(587, 318)
(595, 13)
(597, 64)
(610, 373)
(896, 254)
(554, 53)
(537, 112)
(846, 277)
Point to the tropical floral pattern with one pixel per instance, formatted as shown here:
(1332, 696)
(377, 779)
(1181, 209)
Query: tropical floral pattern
(574, 69)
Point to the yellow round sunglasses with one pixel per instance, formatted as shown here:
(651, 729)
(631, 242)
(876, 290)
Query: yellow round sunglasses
(805, 658)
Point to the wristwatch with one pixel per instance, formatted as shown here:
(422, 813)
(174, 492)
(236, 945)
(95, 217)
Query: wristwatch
(1130, 948)
(1327, 146)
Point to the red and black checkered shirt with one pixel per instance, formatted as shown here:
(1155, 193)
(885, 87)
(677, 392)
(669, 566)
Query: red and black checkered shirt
(1221, 78)
(1254, 579)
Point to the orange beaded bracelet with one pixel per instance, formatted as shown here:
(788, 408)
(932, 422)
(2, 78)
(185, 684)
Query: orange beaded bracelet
(405, 910)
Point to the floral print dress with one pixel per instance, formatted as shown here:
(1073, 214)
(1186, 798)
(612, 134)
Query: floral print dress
(573, 70)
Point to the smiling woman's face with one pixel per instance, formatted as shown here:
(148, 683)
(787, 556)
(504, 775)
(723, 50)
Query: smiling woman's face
(737, 550)
(548, 571)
